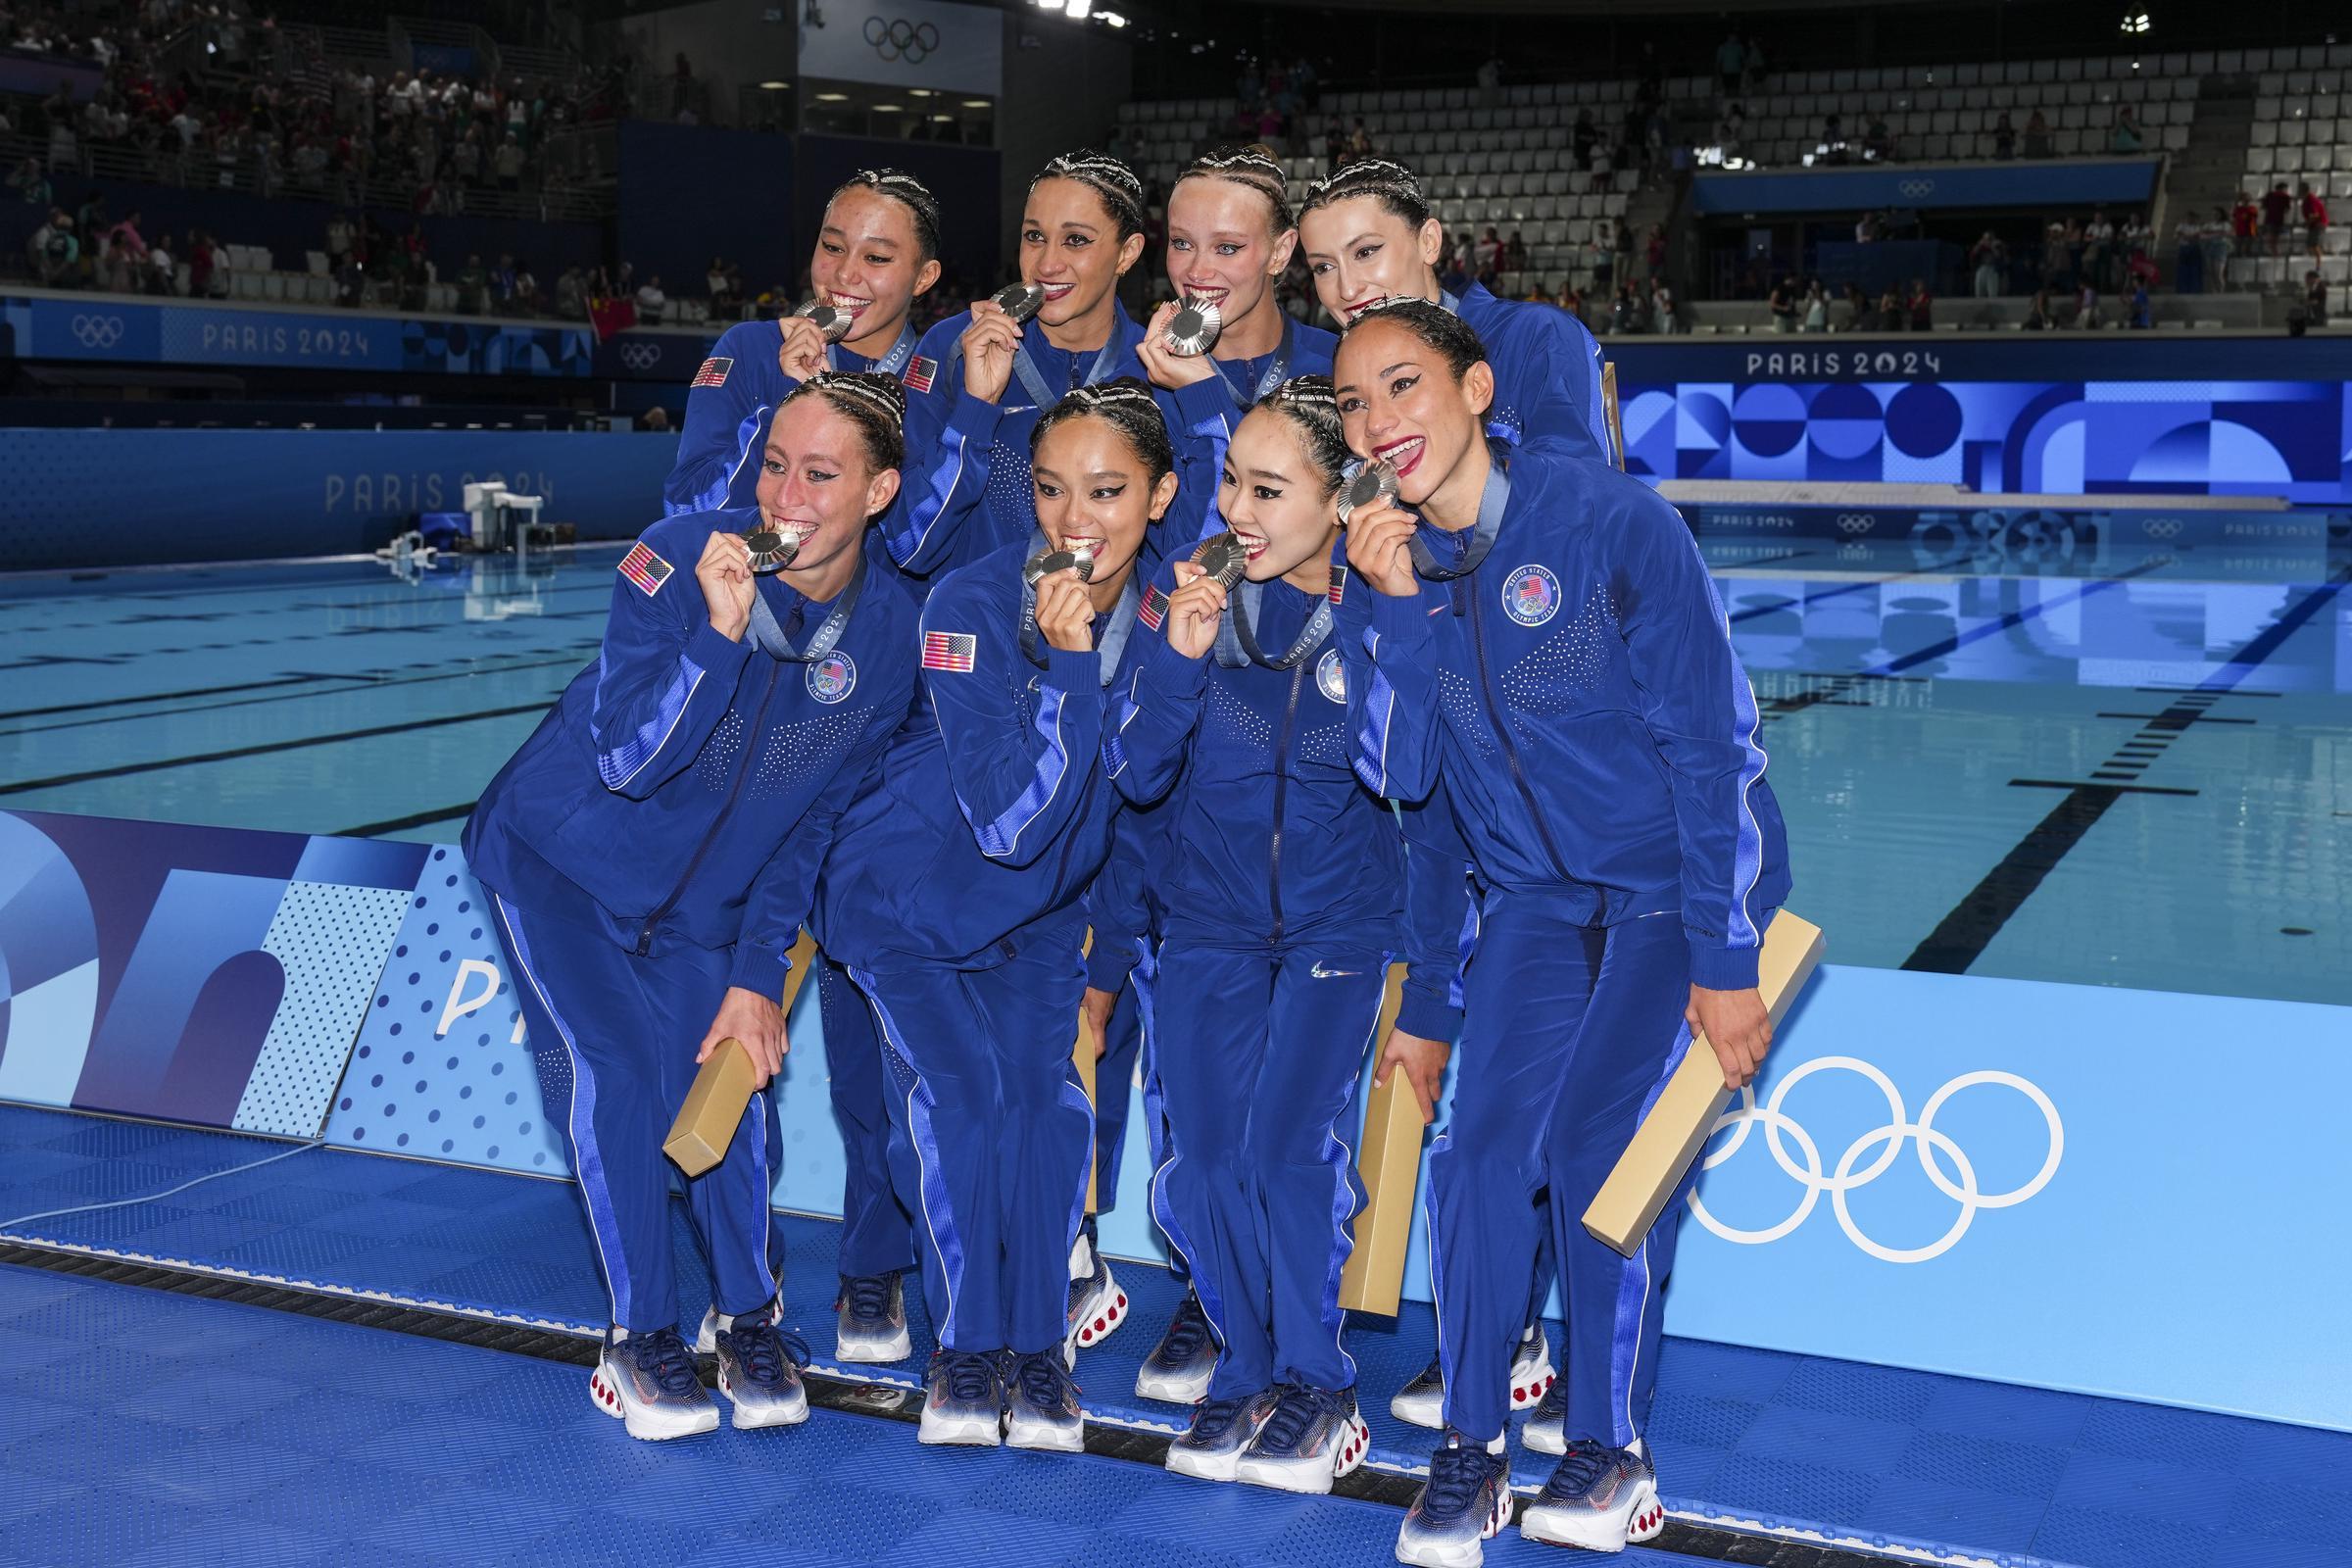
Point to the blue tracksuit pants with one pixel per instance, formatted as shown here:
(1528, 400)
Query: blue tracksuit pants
(876, 1231)
(1115, 1092)
(989, 1133)
(1569, 1032)
(1255, 1054)
(613, 1038)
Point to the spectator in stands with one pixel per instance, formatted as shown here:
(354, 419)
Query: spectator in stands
(124, 254)
(1488, 257)
(2142, 317)
(1335, 145)
(1582, 137)
(162, 270)
(2315, 299)
(2098, 248)
(2139, 267)
(32, 184)
(1359, 141)
(2314, 212)
(2188, 255)
(1890, 311)
(473, 287)
(202, 265)
(1661, 309)
(2004, 138)
(2276, 204)
(502, 281)
(1817, 308)
(1514, 253)
(1626, 312)
(338, 240)
(2086, 306)
(1653, 251)
(2134, 236)
(54, 250)
(657, 420)
(652, 302)
(1625, 252)
(571, 295)
(524, 300)
(1857, 309)
(1879, 144)
(1923, 307)
(2125, 137)
(1600, 257)
(1783, 304)
(2040, 316)
(2214, 238)
(1731, 60)
(1988, 258)
(1751, 68)
(2245, 220)
(2037, 136)
(1489, 84)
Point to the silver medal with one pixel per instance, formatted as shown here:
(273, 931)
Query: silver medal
(1048, 560)
(1374, 483)
(1223, 557)
(829, 319)
(772, 549)
(1193, 331)
(1020, 301)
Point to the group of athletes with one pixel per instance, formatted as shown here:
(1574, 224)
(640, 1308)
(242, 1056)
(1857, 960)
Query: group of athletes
(1179, 675)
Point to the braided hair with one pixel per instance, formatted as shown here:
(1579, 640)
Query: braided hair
(1439, 329)
(1254, 167)
(1122, 194)
(1309, 403)
(1392, 184)
(1128, 407)
(906, 190)
(875, 404)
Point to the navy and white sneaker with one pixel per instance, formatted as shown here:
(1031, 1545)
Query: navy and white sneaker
(1211, 1447)
(759, 1366)
(1313, 1437)
(1181, 1364)
(1546, 1430)
(650, 1383)
(1097, 1304)
(1422, 1402)
(964, 1398)
(1041, 1405)
(1465, 1503)
(1599, 1499)
(870, 1319)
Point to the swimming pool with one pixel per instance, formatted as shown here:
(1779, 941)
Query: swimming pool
(2134, 770)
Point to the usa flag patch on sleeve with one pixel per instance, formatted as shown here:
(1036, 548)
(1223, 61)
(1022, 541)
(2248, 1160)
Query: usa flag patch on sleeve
(1154, 608)
(950, 651)
(919, 372)
(713, 371)
(1338, 583)
(646, 569)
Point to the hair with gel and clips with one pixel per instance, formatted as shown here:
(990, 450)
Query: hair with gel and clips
(1309, 403)
(1392, 184)
(1127, 406)
(1122, 192)
(1439, 328)
(1254, 167)
(906, 190)
(875, 404)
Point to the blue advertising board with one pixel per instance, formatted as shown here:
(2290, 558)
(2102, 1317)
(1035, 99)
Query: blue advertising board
(2022, 186)
(104, 327)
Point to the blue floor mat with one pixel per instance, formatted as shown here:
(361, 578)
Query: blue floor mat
(257, 1437)
(1752, 1439)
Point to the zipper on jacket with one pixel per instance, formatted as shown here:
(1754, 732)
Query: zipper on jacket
(751, 750)
(1282, 779)
(1502, 729)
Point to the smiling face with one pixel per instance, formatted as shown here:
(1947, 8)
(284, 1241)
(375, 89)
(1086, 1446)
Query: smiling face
(1399, 402)
(870, 262)
(1275, 497)
(1071, 247)
(816, 484)
(1222, 246)
(1095, 494)
(1359, 253)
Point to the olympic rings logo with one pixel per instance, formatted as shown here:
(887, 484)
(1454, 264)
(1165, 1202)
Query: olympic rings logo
(1857, 522)
(640, 355)
(2161, 527)
(1916, 188)
(98, 331)
(1846, 1177)
(900, 39)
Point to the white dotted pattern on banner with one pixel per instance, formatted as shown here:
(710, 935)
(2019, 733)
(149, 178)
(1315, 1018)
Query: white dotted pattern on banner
(330, 941)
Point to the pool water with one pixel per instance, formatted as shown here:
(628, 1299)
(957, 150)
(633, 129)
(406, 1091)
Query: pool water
(2134, 770)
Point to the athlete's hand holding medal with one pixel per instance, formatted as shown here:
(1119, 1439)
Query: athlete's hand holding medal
(808, 332)
(1380, 533)
(990, 342)
(1174, 348)
(1196, 607)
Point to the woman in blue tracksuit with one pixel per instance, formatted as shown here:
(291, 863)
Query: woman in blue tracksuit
(1542, 643)
(877, 252)
(956, 894)
(1082, 227)
(1281, 888)
(652, 850)
(1367, 235)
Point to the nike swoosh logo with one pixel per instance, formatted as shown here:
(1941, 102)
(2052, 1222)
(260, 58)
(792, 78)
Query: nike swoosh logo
(1320, 973)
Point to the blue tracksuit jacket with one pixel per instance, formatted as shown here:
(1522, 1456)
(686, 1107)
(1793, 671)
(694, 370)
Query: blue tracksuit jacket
(1578, 696)
(1547, 372)
(993, 814)
(685, 786)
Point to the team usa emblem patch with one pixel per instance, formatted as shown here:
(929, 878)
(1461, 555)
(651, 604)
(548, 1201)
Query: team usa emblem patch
(951, 651)
(713, 371)
(646, 569)
(1530, 596)
(832, 678)
(1331, 675)
(1154, 608)
(919, 373)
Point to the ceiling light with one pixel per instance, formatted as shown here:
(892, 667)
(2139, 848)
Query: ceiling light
(1080, 10)
(977, 103)
(775, 86)
(832, 97)
(1113, 19)
(890, 108)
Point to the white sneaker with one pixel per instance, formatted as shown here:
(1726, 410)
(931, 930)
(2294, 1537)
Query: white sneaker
(1097, 1304)
(1422, 1402)
(649, 1383)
